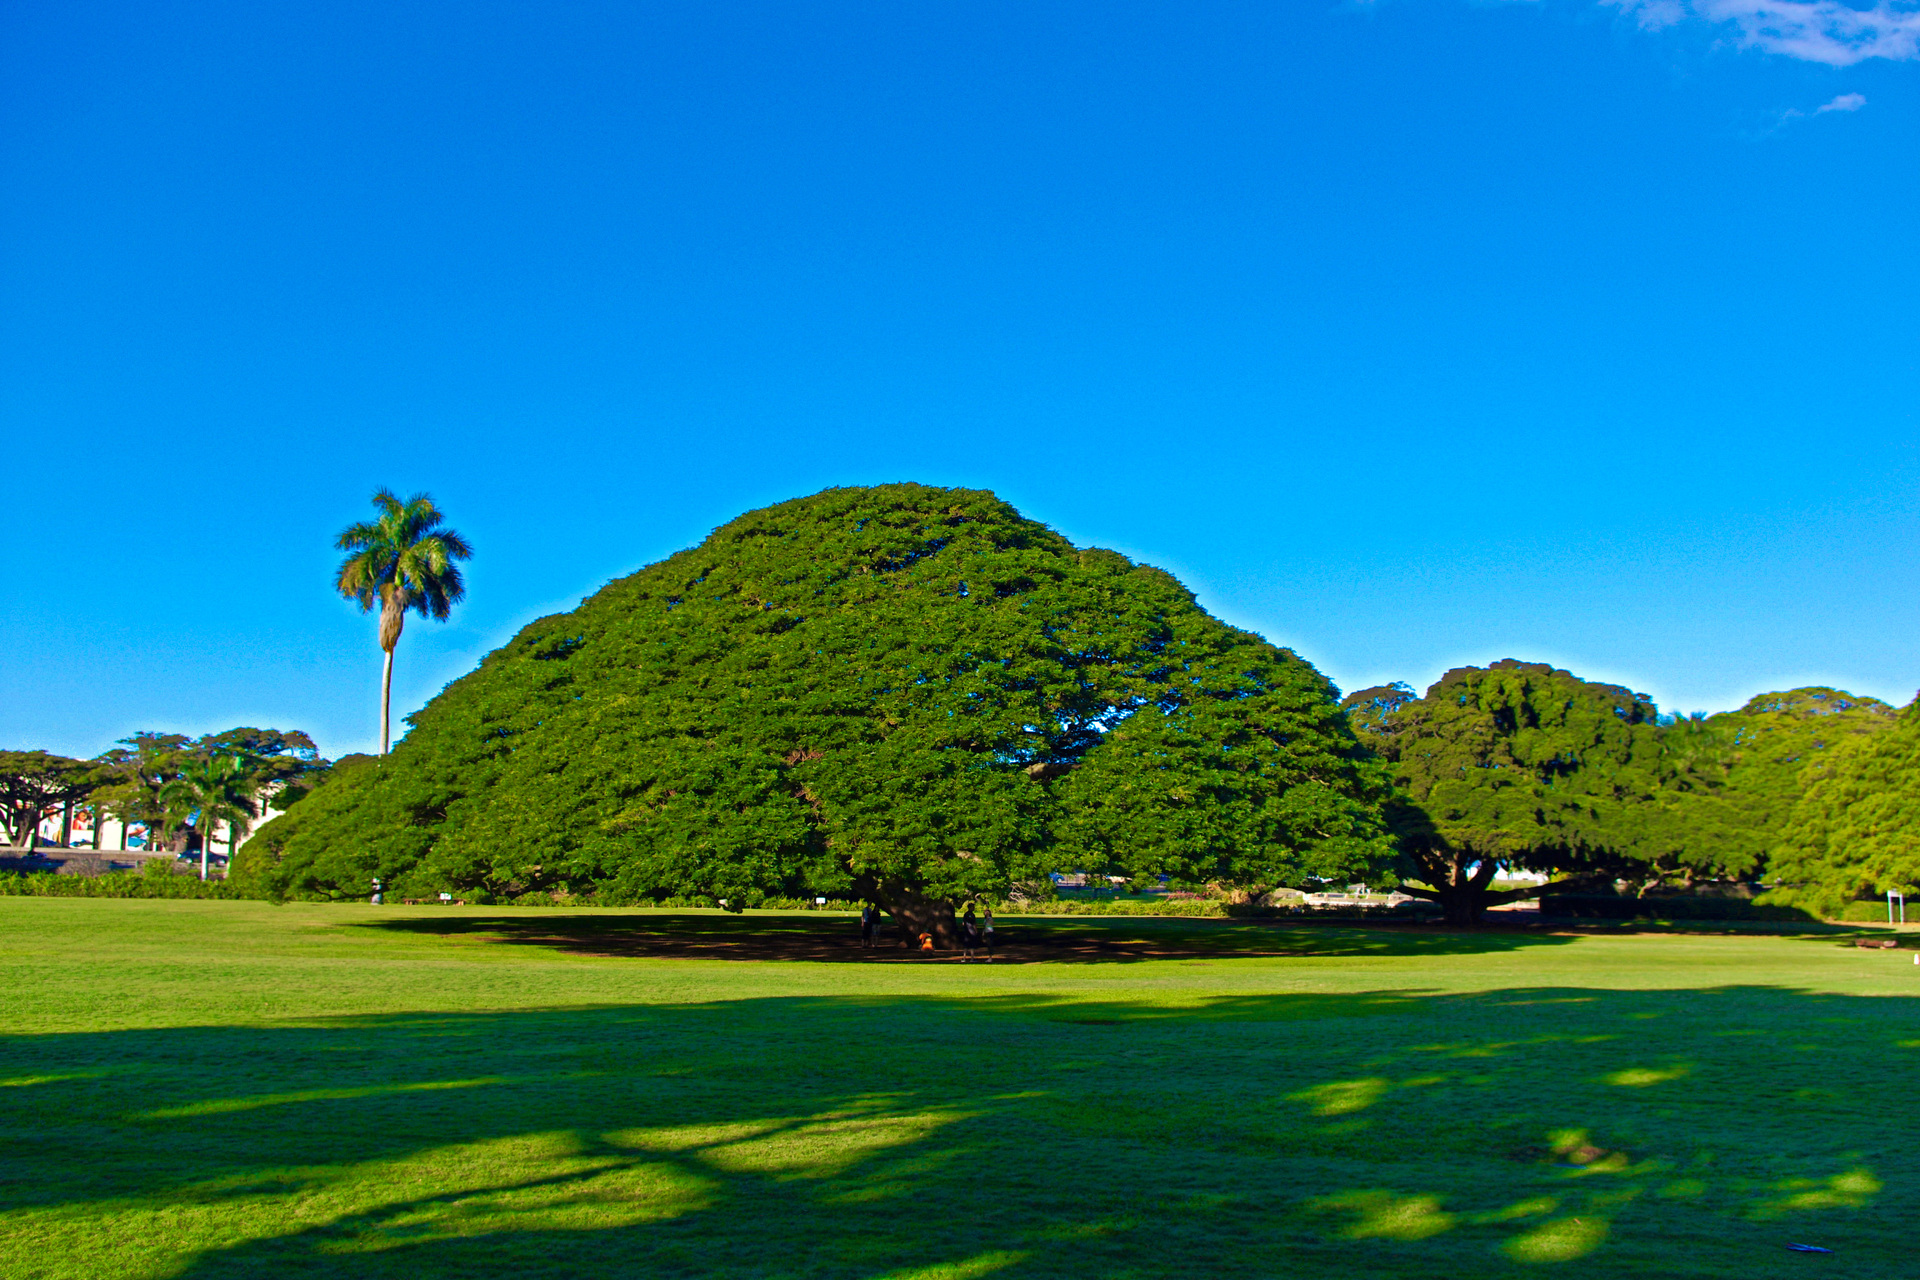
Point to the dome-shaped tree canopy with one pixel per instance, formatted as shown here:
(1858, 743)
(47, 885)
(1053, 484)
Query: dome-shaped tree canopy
(906, 693)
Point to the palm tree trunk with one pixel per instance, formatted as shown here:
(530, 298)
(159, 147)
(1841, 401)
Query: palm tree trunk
(393, 619)
(206, 842)
(386, 701)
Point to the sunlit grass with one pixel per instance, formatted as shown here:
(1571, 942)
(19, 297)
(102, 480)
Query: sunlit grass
(229, 1089)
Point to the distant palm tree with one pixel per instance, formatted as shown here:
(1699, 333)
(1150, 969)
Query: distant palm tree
(221, 789)
(404, 560)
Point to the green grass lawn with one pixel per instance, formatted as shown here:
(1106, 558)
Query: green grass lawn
(234, 1089)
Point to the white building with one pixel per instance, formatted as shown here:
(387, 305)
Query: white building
(115, 836)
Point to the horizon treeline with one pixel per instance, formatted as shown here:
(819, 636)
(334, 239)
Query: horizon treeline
(918, 697)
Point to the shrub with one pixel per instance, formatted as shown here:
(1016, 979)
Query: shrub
(1190, 907)
(116, 884)
(1868, 911)
(1596, 906)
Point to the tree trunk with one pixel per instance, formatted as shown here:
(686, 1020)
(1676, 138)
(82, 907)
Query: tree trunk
(1464, 898)
(1471, 890)
(386, 701)
(1461, 906)
(66, 825)
(918, 914)
(206, 842)
(393, 620)
(1463, 895)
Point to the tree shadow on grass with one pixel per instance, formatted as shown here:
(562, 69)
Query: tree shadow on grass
(1671, 1133)
(1018, 939)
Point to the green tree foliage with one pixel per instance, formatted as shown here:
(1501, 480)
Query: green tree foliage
(1768, 746)
(282, 764)
(1687, 825)
(907, 694)
(1856, 831)
(1660, 800)
(1513, 766)
(401, 560)
(1729, 782)
(210, 791)
(32, 782)
(136, 770)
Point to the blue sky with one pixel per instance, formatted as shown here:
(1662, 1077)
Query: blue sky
(1410, 334)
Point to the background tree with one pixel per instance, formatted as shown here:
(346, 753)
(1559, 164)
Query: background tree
(285, 764)
(1367, 710)
(1513, 766)
(904, 694)
(136, 770)
(1688, 826)
(211, 790)
(1728, 783)
(401, 560)
(1856, 831)
(1765, 748)
(31, 782)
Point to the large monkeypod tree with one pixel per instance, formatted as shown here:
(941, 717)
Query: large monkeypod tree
(1514, 766)
(910, 695)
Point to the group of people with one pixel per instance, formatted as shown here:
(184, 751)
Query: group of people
(976, 933)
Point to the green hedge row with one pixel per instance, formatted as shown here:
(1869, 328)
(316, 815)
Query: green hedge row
(1874, 911)
(1580, 906)
(1190, 907)
(1209, 908)
(114, 884)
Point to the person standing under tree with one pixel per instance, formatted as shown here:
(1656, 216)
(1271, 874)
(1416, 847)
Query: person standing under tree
(989, 935)
(866, 924)
(969, 934)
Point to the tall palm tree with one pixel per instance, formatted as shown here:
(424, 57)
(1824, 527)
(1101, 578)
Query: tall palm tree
(404, 560)
(220, 789)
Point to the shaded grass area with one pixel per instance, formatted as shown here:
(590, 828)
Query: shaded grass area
(1018, 939)
(346, 1094)
(1026, 939)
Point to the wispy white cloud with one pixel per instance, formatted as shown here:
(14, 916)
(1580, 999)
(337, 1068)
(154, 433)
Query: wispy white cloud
(1826, 31)
(1781, 119)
